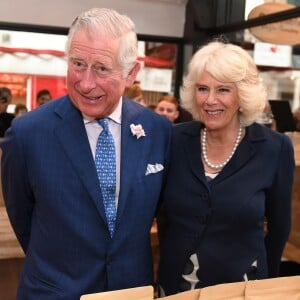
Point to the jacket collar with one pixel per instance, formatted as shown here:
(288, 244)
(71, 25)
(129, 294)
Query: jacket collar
(255, 133)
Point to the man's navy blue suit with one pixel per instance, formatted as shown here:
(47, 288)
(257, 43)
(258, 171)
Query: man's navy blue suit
(54, 201)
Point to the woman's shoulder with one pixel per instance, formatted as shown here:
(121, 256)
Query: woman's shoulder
(259, 132)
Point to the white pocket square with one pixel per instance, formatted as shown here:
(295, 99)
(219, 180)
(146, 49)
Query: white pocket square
(151, 169)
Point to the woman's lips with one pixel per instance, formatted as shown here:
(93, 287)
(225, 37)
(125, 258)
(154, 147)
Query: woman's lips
(214, 112)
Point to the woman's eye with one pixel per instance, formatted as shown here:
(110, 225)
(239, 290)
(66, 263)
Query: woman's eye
(202, 89)
(223, 90)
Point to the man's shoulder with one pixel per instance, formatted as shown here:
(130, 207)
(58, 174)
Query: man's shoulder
(259, 131)
(42, 114)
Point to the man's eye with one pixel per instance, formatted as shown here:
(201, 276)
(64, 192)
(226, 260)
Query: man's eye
(78, 64)
(100, 69)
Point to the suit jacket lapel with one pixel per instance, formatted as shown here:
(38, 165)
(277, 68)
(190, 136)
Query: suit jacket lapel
(192, 150)
(72, 135)
(245, 151)
(131, 152)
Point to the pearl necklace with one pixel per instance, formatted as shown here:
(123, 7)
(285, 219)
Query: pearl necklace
(204, 153)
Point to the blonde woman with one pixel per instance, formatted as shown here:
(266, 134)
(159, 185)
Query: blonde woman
(228, 175)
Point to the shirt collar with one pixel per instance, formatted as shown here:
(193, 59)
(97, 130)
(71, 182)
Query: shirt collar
(116, 115)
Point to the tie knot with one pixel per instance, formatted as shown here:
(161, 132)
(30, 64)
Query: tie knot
(104, 124)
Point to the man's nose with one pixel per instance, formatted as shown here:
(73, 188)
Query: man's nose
(88, 80)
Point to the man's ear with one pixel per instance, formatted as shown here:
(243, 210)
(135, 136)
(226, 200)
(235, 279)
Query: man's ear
(132, 74)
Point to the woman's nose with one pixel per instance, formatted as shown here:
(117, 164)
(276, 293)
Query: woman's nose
(211, 97)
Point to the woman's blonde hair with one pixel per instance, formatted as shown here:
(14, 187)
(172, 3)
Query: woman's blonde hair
(226, 63)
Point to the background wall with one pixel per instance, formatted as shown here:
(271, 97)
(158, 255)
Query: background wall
(152, 17)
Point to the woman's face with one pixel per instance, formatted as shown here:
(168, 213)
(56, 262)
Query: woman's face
(218, 102)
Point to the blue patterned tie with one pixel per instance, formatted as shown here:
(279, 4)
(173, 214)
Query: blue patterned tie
(105, 160)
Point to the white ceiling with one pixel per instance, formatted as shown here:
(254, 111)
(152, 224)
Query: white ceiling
(152, 17)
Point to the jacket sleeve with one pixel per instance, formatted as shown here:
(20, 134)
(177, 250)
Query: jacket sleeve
(16, 189)
(278, 206)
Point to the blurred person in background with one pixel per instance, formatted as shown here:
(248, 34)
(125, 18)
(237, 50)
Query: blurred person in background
(135, 93)
(43, 96)
(5, 117)
(184, 115)
(20, 110)
(167, 106)
(296, 115)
